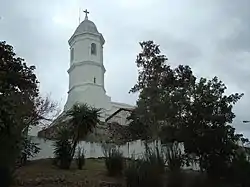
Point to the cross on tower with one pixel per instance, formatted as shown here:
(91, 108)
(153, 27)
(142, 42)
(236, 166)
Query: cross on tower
(86, 13)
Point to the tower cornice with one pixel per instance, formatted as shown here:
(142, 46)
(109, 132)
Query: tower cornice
(82, 63)
(85, 84)
(70, 41)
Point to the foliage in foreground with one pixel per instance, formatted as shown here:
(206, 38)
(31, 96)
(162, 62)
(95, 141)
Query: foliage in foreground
(147, 171)
(82, 119)
(239, 170)
(20, 106)
(62, 150)
(114, 161)
(80, 158)
(175, 106)
(174, 157)
(29, 150)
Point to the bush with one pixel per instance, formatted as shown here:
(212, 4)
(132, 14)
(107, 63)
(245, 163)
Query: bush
(239, 171)
(28, 150)
(174, 157)
(62, 150)
(114, 161)
(80, 159)
(156, 159)
(147, 171)
(132, 174)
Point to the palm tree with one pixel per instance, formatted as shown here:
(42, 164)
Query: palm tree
(82, 119)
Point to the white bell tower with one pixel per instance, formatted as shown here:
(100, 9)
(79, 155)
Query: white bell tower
(86, 72)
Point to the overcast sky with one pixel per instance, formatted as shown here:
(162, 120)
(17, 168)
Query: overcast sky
(212, 36)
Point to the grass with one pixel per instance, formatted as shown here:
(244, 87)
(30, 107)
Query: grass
(43, 174)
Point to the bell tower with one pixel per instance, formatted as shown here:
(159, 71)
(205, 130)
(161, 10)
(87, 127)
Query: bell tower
(86, 72)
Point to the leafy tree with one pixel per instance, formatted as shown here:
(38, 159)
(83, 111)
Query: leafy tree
(174, 107)
(82, 119)
(160, 94)
(208, 132)
(20, 105)
(151, 66)
(18, 91)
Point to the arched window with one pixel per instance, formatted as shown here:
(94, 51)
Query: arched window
(72, 54)
(93, 49)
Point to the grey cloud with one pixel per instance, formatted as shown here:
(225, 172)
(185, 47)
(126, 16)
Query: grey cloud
(178, 48)
(238, 13)
(211, 36)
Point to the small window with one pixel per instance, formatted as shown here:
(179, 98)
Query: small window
(72, 54)
(93, 49)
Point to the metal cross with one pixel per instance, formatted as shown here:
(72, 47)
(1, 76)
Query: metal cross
(86, 13)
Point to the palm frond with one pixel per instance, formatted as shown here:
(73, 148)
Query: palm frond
(82, 120)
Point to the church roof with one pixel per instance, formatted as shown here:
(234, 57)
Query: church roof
(86, 26)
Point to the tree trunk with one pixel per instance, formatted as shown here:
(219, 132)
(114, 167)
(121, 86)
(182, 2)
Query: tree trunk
(73, 149)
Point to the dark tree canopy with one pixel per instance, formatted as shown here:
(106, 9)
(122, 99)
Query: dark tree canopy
(20, 104)
(18, 87)
(174, 106)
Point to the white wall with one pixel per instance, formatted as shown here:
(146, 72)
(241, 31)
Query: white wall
(95, 150)
(92, 150)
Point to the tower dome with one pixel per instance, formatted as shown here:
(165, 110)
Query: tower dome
(86, 26)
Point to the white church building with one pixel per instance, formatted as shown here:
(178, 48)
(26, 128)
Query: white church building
(87, 85)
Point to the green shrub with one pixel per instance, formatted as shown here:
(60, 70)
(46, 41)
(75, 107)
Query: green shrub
(80, 159)
(155, 158)
(142, 174)
(62, 150)
(174, 157)
(132, 173)
(28, 150)
(114, 161)
(239, 171)
(147, 171)
(174, 160)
